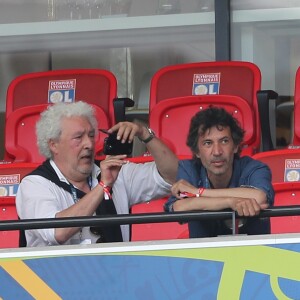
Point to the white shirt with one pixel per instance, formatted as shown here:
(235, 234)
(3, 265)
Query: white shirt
(37, 197)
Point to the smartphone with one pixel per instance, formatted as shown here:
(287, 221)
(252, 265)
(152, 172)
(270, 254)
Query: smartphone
(112, 146)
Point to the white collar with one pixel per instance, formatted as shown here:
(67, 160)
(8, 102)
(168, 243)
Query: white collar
(95, 172)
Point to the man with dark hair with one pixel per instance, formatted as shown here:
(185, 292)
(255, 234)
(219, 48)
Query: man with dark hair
(217, 178)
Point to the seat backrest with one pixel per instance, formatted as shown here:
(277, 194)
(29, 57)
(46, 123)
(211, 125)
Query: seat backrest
(20, 137)
(284, 164)
(296, 131)
(170, 119)
(94, 86)
(156, 231)
(236, 78)
(286, 193)
(8, 239)
(11, 175)
(241, 79)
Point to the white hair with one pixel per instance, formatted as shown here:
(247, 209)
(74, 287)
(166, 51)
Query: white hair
(49, 125)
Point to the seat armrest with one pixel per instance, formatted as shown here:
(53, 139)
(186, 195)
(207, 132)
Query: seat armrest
(263, 99)
(120, 105)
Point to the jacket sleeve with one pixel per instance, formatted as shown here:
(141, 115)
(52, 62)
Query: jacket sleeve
(258, 175)
(186, 171)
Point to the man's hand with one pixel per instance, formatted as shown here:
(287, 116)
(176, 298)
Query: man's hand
(182, 186)
(247, 207)
(165, 160)
(110, 168)
(127, 131)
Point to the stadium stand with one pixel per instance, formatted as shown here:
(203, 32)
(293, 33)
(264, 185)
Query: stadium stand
(94, 86)
(235, 78)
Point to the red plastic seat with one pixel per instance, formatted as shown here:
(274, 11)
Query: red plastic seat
(20, 136)
(94, 86)
(284, 164)
(8, 239)
(240, 79)
(11, 175)
(170, 119)
(286, 193)
(156, 231)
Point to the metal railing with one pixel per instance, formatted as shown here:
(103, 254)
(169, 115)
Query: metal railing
(109, 220)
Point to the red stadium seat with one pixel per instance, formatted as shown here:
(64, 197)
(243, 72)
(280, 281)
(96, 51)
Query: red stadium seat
(284, 164)
(156, 231)
(240, 79)
(8, 239)
(94, 86)
(170, 119)
(286, 193)
(11, 175)
(285, 168)
(20, 137)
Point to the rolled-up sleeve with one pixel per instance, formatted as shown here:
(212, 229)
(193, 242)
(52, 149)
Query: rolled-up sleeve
(140, 183)
(168, 206)
(260, 177)
(187, 172)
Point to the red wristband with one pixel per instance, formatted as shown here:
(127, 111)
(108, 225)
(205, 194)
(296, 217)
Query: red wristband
(200, 191)
(106, 190)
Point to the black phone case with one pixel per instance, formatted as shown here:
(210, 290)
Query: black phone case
(112, 146)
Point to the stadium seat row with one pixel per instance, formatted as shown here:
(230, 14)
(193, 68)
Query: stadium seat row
(176, 94)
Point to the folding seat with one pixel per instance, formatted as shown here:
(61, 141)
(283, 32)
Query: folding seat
(11, 175)
(286, 193)
(170, 119)
(156, 231)
(285, 167)
(94, 86)
(8, 239)
(239, 79)
(284, 164)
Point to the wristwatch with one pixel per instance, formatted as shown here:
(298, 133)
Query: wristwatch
(150, 137)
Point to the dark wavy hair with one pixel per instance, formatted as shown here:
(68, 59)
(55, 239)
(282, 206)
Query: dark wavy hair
(213, 117)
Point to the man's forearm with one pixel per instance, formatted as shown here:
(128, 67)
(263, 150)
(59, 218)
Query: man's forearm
(166, 161)
(243, 192)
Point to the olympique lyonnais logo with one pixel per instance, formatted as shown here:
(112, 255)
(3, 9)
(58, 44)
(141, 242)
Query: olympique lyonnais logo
(206, 84)
(9, 184)
(61, 90)
(292, 170)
